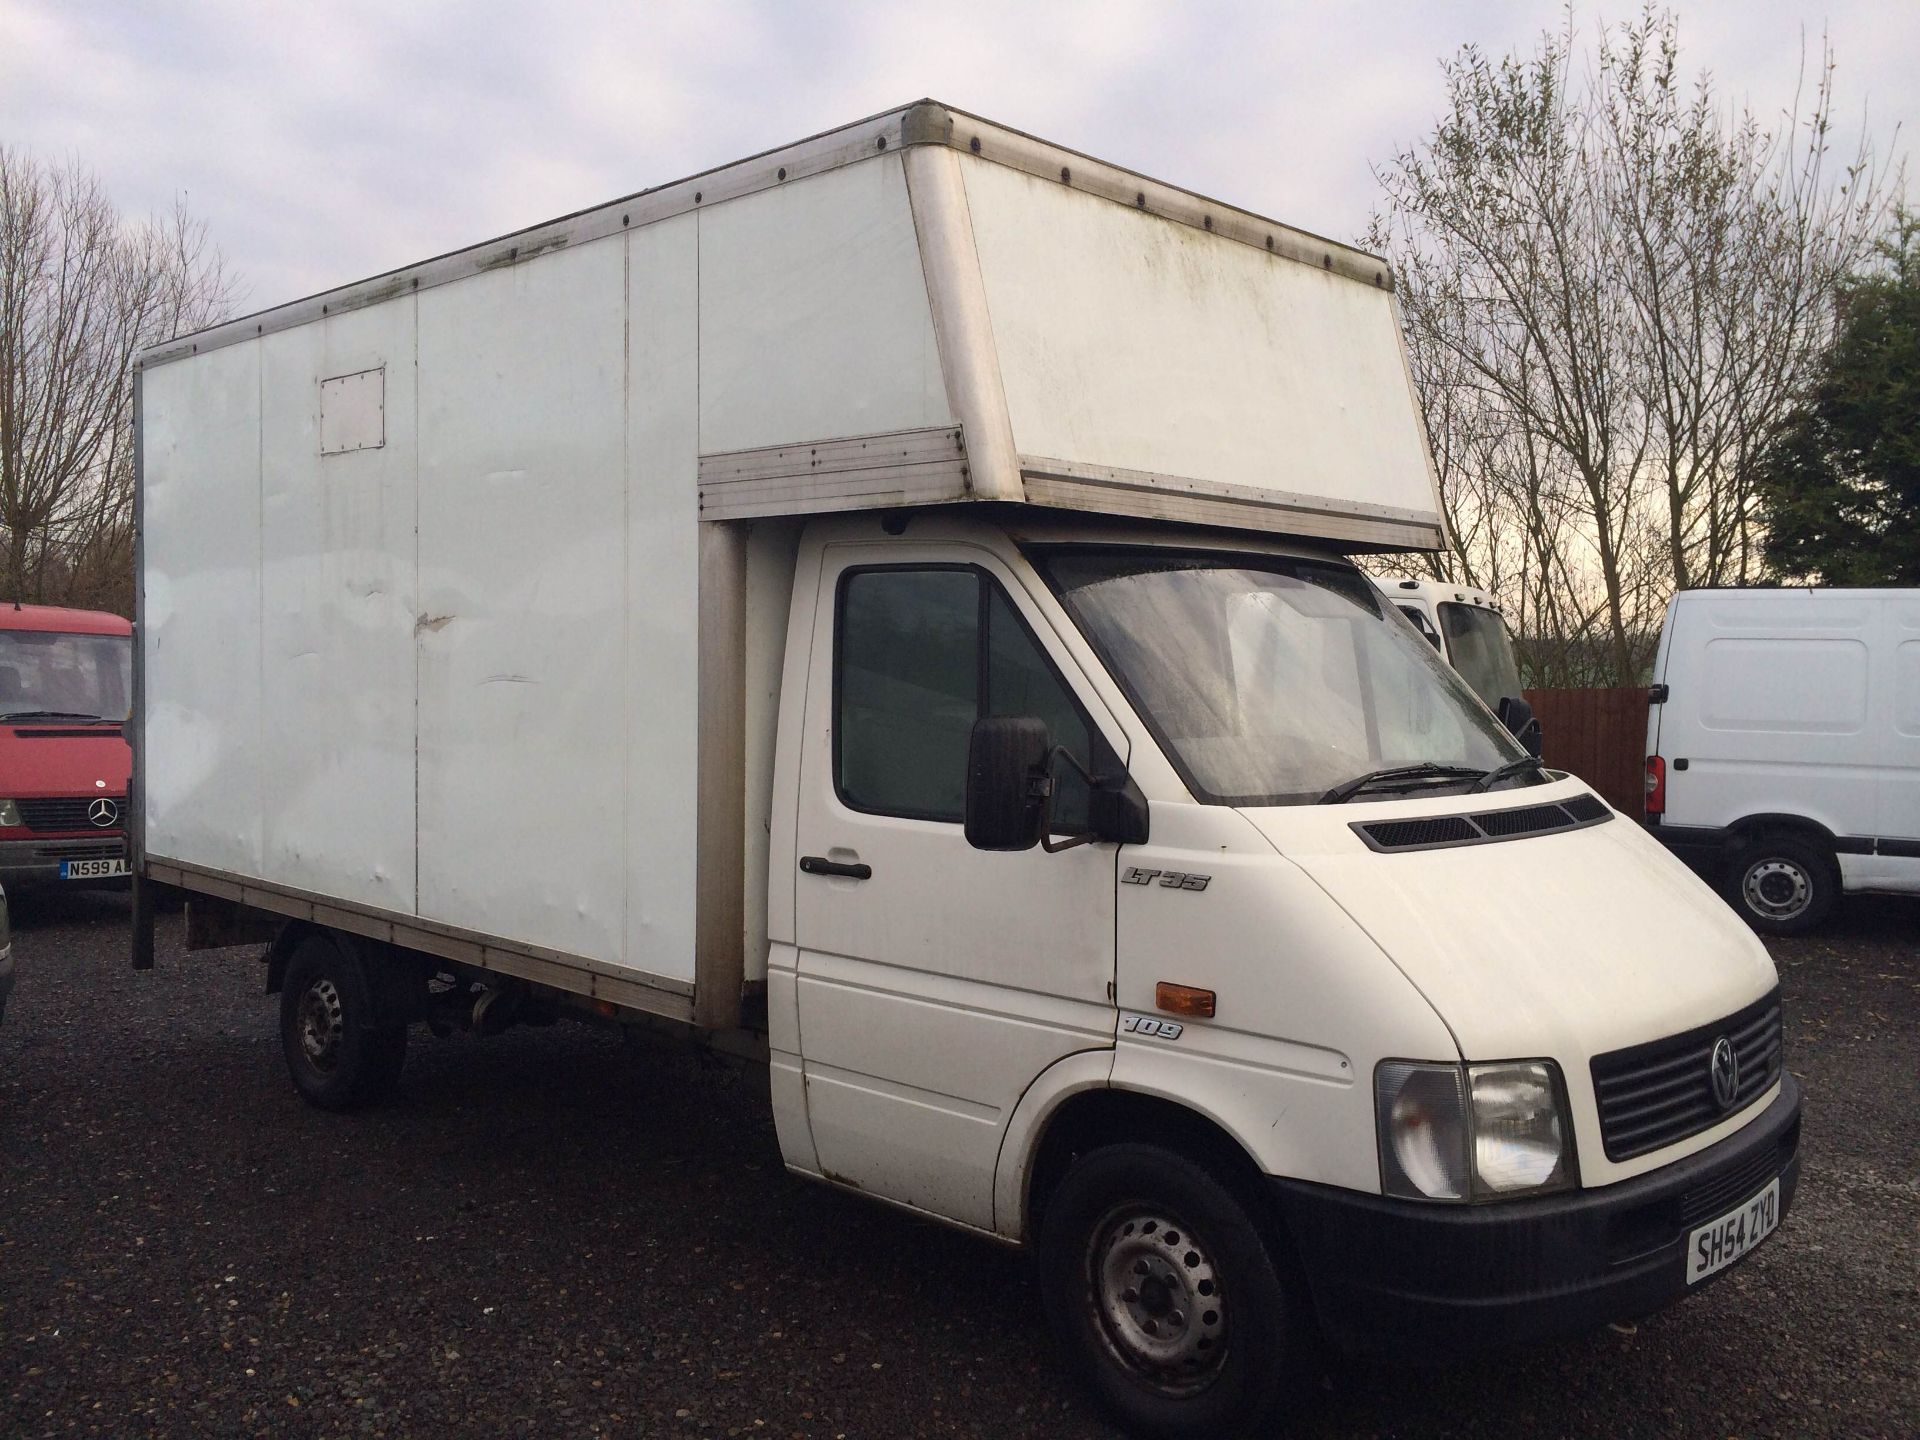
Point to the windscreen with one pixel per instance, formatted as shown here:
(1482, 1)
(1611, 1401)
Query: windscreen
(1481, 650)
(67, 676)
(1271, 681)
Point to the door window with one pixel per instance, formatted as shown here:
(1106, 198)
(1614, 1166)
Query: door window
(920, 654)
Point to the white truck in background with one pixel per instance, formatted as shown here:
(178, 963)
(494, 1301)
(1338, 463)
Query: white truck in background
(884, 605)
(1783, 746)
(1466, 626)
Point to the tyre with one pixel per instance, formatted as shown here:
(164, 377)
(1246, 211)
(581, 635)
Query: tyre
(1168, 1299)
(1783, 884)
(341, 1051)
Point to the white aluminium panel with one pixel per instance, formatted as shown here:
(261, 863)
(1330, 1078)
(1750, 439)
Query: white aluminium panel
(1138, 343)
(814, 318)
(337, 593)
(662, 656)
(522, 623)
(201, 514)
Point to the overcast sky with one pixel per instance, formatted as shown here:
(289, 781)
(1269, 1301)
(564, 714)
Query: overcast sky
(333, 139)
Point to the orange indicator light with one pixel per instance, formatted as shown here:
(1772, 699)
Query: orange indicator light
(1184, 1000)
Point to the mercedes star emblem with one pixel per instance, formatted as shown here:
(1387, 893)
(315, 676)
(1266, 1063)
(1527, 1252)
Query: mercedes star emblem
(103, 812)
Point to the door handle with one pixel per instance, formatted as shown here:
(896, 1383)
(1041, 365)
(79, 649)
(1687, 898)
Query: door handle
(820, 865)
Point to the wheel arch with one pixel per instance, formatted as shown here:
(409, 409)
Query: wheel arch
(1089, 1118)
(1750, 829)
(395, 978)
(1766, 822)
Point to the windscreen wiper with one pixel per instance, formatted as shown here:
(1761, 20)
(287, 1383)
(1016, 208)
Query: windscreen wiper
(1425, 770)
(55, 715)
(1506, 772)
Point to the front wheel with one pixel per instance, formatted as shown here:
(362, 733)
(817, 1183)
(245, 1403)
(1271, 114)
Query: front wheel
(1783, 885)
(341, 1051)
(1168, 1299)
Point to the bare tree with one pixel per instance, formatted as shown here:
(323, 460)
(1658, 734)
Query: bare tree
(1613, 289)
(81, 291)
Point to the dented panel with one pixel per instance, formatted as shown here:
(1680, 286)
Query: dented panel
(336, 596)
(521, 618)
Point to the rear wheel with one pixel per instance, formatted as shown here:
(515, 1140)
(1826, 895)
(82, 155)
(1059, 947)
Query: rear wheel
(341, 1051)
(1167, 1297)
(1782, 884)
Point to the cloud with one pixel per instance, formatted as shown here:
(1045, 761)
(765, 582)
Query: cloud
(323, 142)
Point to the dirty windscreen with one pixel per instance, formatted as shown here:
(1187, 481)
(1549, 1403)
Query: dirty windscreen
(1481, 651)
(44, 671)
(1270, 680)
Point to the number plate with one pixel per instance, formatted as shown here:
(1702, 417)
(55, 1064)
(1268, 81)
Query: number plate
(92, 869)
(1719, 1243)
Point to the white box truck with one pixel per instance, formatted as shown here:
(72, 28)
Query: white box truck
(884, 605)
(1783, 746)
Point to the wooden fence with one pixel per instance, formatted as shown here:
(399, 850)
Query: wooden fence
(1599, 735)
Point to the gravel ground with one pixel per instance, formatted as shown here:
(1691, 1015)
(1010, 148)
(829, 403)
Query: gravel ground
(555, 1234)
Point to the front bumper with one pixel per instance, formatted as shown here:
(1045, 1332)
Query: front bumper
(37, 860)
(1402, 1277)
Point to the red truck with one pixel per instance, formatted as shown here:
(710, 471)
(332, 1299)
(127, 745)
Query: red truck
(66, 687)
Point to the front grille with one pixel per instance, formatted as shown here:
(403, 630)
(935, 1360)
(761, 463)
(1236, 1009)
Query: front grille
(1658, 1094)
(81, 850)
(70, 812)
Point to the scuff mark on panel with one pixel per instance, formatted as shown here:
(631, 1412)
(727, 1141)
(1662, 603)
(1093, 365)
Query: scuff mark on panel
(432, 622)
(516, 254)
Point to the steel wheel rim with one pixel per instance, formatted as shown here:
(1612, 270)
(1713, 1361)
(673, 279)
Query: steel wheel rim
(321, 1024)
(1777, 889)
(1156, 1299)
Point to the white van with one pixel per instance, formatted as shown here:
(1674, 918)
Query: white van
(1783, 745)
(884, 607)
(1466, 626)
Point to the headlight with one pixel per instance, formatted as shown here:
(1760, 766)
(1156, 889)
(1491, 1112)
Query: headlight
(1479, 1132)
(9, 813)
(1519, 1139)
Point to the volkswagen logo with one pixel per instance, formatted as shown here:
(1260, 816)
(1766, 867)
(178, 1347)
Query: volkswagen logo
(103, 812)
(1724, 1068)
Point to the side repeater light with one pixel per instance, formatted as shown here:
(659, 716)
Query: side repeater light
(1184, 1000)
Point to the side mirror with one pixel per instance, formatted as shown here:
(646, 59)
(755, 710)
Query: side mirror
(1517, 715)
(1007, 782)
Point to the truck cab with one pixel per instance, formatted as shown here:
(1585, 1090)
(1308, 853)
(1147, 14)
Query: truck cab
(66, 685)
(1251, 911)
(1466, 626)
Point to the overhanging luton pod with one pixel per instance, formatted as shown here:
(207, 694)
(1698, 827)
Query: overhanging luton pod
(886, 607)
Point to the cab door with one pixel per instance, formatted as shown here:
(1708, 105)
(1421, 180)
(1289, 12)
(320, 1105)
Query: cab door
(936, 981)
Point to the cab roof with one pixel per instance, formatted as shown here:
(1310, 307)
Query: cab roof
(63, 620)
